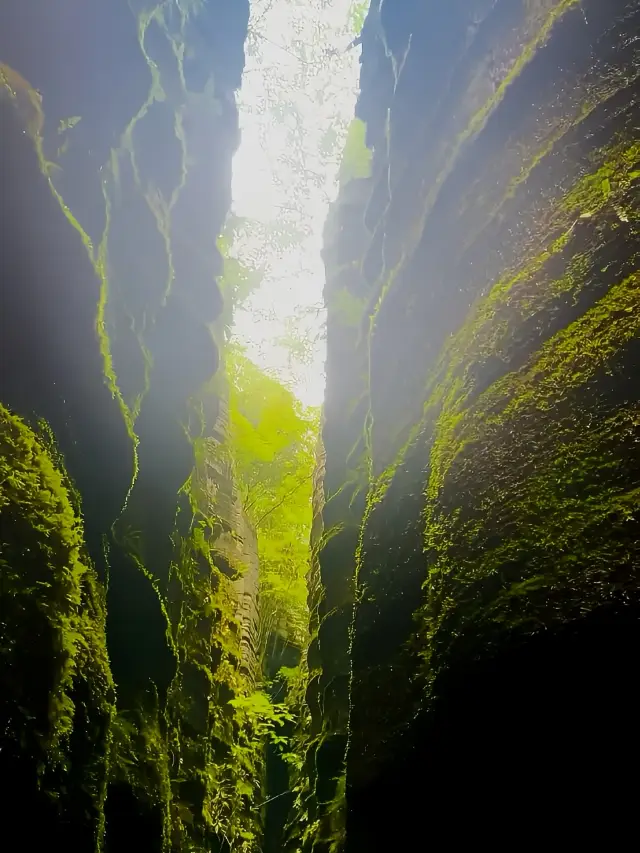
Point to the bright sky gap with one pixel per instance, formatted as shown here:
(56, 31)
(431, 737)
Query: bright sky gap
(296, 102)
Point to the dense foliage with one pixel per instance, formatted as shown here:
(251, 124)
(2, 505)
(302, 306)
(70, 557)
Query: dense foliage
(273, 438)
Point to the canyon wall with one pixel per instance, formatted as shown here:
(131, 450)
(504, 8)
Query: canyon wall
(118, 730)
(473, 580)
(478, 629)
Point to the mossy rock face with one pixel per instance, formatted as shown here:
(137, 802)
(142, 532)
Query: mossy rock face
(498, 548)
(51, 365)
(119, 124)
(56, 691)
(338, 493)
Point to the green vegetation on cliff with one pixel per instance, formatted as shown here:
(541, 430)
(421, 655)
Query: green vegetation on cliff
(129, 175)
(273, 442)
(493, 414)
(469, 492)
(55, 722)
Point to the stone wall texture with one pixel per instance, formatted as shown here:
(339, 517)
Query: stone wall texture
(481, 429)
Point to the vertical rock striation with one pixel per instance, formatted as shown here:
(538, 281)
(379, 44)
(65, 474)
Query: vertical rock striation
(118, 128)
(494, 567)
(473, 584)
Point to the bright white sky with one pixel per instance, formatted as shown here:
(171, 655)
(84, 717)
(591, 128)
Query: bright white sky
(296, 102)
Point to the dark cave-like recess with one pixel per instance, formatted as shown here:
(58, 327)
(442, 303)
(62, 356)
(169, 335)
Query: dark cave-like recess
(526, 746)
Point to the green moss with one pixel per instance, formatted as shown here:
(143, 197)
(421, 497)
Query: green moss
(198, 760)
(140, 760)
(585, 110)
(521, 293)
(524, 295)
(564, 543)
(575, 354)
(527, 500)
(549, 16)
(541, 25)
(561, 530)
(356, 157)
(346, 308)
(28, 103)
(52, 626)
(534, 151)
(217, 745)
(612, 179)
(514, 490)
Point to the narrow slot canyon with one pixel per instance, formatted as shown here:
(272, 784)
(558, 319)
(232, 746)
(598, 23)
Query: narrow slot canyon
(319, 431)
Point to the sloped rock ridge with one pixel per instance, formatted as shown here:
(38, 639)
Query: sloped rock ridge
(479, 624)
